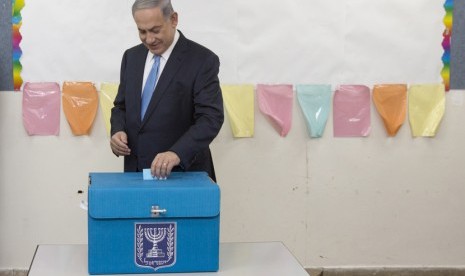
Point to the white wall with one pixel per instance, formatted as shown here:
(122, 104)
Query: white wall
(333, 201)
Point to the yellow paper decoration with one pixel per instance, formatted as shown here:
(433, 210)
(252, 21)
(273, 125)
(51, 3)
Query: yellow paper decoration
(426, 108)
(108, 93)
(239, 103)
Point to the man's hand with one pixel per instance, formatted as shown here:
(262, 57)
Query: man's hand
(119, 144)
(163, 164)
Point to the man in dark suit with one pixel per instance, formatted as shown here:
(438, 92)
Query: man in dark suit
(185, 112)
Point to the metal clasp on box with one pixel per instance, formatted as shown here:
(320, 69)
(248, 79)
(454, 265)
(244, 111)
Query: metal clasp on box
(156, 211)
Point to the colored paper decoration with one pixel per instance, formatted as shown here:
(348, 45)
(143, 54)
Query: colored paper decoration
(391, 102)
(80, 104)
(426, 108)
(41, 108)
(351, 111)
(6, 51)
(239, 104)
(445, 72)
(17, 5)
(351, 107)
(315, 102)
(275, 101)
(108, 93)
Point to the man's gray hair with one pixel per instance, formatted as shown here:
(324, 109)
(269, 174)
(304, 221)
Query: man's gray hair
(164, 5)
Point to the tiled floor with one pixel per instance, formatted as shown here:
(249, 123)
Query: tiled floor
(13, 272)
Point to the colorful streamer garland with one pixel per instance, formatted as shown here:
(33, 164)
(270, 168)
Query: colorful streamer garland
(17, 5)
(448, 18)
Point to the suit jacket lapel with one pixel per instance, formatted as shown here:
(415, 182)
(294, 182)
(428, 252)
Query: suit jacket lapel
(171, 67)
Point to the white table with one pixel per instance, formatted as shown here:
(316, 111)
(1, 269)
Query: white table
(236, 259)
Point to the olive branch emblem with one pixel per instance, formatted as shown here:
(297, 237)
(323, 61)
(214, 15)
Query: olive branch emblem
(139, 240)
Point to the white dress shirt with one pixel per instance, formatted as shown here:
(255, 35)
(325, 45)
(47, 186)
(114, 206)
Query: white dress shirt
(163, 59)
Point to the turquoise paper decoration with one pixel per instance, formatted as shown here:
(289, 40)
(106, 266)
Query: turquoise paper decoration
(315, 102)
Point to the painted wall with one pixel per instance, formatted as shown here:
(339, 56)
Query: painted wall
(374, 201)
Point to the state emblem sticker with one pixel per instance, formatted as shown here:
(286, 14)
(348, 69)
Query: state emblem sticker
(155, 244)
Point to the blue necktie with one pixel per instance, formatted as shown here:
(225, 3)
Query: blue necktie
(149, 87)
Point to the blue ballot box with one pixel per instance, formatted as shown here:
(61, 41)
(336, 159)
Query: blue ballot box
(153, 226)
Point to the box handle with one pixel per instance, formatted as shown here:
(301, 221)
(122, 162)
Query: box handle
(156, 211)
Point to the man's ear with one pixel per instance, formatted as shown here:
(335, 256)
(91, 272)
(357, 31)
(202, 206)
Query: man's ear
(174, 19)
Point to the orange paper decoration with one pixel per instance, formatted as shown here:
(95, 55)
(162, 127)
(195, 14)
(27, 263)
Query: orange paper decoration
(391, 102)
(80, 104)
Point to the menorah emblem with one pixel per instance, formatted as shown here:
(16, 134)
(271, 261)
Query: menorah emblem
(155, 235)
(155, 244)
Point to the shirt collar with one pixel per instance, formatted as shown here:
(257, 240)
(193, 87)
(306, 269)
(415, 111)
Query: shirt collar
(168, 51)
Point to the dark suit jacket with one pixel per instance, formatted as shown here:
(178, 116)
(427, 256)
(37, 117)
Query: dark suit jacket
(184, 115)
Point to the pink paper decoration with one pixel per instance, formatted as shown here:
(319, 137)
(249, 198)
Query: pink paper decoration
(41, 108)
(351, 111)
(275, 101)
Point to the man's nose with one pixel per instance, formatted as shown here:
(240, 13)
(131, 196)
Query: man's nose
(150, 38)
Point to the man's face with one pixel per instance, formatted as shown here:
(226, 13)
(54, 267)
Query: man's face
(156, 32)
